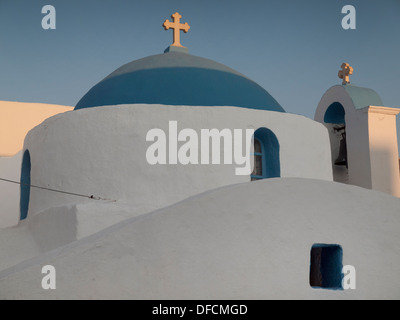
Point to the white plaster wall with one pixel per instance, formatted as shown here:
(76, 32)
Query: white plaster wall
(357, 135)
(384, 150)
(10, 168)
(246, 241)
(56, 227)
(102, 151)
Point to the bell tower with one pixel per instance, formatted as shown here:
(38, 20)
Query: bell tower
(363, 136)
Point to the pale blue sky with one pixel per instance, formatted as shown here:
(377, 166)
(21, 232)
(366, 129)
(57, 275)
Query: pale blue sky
(292, 48)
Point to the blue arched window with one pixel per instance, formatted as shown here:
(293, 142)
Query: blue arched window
(25, 185)
(266, 155)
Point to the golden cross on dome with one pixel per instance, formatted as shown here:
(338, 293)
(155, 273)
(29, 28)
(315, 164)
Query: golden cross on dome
(177, 26)
(345, 72)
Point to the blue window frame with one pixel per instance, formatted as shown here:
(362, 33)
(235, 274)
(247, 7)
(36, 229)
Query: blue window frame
(266, 155)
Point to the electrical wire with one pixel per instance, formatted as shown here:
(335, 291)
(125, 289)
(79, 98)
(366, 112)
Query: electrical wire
(92, 197)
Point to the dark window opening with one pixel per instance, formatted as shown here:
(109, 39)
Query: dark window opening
(266, 155)
(335, 121)
(25, 187)
(258, 161)
(326, 266)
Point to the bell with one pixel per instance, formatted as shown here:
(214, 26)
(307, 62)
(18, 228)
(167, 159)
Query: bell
(342, 158)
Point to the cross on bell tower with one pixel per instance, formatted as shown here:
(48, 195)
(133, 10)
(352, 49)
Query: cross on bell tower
(345, 72)
(177, 26)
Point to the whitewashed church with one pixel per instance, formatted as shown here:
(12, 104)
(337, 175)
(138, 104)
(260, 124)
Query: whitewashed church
(78, 192)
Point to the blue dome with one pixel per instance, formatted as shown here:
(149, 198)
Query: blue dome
(176, 78)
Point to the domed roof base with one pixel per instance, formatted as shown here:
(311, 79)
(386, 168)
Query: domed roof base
(176, 78)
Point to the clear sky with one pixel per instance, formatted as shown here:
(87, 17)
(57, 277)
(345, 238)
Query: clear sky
(292, 48)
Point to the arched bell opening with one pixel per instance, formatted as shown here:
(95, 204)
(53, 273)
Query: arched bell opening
(335, 122)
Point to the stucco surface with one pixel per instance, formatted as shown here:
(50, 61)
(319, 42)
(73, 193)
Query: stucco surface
(57, 227)
(10, 168)
(102, 152)
(384, 151)
(246, 241)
